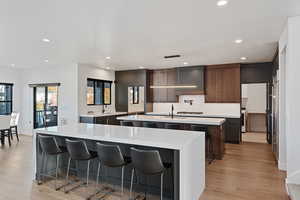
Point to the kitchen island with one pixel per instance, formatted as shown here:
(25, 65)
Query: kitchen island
(185, 150)
(215, 127)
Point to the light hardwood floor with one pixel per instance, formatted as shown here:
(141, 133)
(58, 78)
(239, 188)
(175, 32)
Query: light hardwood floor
(257, 137)
(248, 172)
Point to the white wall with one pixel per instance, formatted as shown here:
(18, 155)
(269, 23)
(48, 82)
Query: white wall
(282, 160)
(256, 98)
(199, 106)
(67, 93)
(89, 71)
(292, 87)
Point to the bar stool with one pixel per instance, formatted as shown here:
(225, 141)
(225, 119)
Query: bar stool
(208, 140)
(149, 163)
(126, 123)
(110, 156)
(137, 124)
(173, 126)
(50, 147)
(149, 125)
(78, 151)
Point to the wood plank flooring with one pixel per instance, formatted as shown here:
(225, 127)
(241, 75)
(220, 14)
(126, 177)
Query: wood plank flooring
(248, 172)
(255, 137)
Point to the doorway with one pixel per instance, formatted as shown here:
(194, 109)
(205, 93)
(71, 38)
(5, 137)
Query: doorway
(45, 107)
(254, 112)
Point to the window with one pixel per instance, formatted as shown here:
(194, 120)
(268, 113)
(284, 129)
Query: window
(98, 92)
(6, 98)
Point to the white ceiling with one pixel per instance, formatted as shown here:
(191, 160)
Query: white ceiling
(138, 33)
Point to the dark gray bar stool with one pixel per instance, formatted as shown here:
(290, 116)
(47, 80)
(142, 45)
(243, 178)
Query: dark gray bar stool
(78, 151)
(110, 156)
(137, 124)
(148, 163)
(50, 147)
(149, 124)
(126, 123)
(173, 126)
(208, 139)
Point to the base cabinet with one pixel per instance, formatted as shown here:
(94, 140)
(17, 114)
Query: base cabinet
(233, 130)
(109, 120)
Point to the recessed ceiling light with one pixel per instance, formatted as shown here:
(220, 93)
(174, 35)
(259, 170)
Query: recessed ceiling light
(107, 67)
(243, 58)
(12, 65)
(141, 67)
(45, 40)
(46, 61)
(185, 63)
(222, 2)
(238, 41)
(107, 57)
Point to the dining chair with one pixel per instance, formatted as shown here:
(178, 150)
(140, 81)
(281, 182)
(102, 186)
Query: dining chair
(14, 124)
(5, 128)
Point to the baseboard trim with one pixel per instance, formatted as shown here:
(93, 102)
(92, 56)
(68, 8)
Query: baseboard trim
(282, 166)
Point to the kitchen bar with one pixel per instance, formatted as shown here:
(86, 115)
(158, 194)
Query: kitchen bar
(179, 147)
(214, 126)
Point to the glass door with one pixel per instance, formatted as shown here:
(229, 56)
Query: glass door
(45, 106)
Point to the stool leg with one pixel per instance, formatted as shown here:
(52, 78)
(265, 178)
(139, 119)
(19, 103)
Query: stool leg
(41, 169)
(88, 173)
(45, 165)
(98, 173)
(131, 183)
(67, 176)
(122, 181)
(97, 183)
(56, 171)
(161, 186)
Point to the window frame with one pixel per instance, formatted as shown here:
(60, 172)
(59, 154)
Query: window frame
(11, 101)
(94, 91)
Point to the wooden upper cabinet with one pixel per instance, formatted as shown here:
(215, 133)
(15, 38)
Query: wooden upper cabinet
(222, 84)
(171, 80)
(163, 78)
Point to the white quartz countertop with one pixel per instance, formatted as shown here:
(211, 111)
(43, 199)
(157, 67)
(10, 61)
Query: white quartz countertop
(103, 114)
(197, 115)
(176, 119)
(161, 138)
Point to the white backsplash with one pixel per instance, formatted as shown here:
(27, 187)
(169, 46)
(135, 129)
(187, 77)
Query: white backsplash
(198, 105)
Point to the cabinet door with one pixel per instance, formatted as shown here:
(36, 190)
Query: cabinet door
(160, 79)
(231, 91)
(223, 84)
(211, 85)
(171, 80)
(156, 82)
(233, 130)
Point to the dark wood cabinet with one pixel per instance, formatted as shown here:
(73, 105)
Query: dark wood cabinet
(233, 130)
(110, 120)
(190, 76)
(171, 80)
(183, 76)
(222, 84)
(165, 77)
